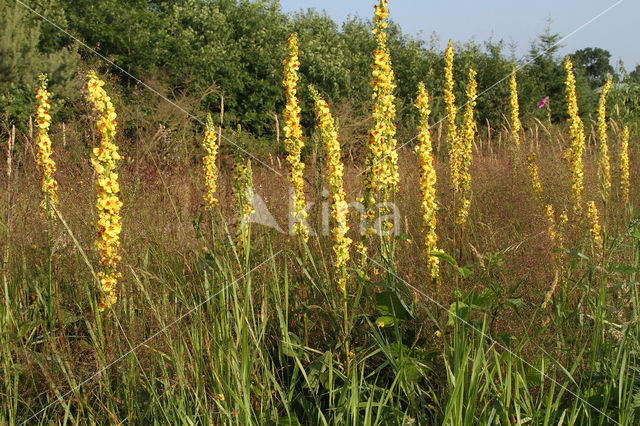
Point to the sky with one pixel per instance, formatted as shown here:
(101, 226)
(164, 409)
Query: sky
(616, 30)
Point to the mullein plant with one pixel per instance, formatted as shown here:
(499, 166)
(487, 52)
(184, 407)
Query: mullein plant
(596, 229)
(554, 230)
(574, 154)
(381, 177)
(534, 175)
(209, 166)
(604, 172)
(45, 163)
(104, 161)
(427, 185)
(49, 184)
(452, 128)
(453, 139)
(243, 196)
(624, 166)
(515, 115)
(339, 208)
(466, 146)
(293, 137)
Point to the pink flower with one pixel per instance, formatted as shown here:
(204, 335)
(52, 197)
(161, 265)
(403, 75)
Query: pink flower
(543, 102)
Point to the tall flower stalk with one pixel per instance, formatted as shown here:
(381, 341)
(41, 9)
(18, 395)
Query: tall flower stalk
(577, 139)
(381, 166)
(466, 145)
(604, 168)
(243, 196)
(515, 115)
(554, 230)
(339, 208)
(49, 184)
(427, 184)
(452, 128)
(534, 175)
(624, 166)
(209, 163)
(293, 137)
(45, 163)
(104, 162)
(596, 229)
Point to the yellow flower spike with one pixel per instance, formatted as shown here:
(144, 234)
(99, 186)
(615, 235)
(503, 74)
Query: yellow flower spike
(243, 195)
(209, 163)
(604, 171)
(381, 166)
(515, 111)
(596, 230)
(45, 163)
(555, 233)
(293, 136)
(534, 175)
(109, 223)
(465, 151)
(577, 139)
(450, 109)
(339, 208)
(624, 165)
(427, 184)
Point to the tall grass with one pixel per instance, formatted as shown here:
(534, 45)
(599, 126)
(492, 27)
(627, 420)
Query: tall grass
(219, 321)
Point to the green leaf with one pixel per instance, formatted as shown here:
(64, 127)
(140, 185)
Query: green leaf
(385, 321)
(465, 271)
(403, 236)
(388, 303)
(447, 258)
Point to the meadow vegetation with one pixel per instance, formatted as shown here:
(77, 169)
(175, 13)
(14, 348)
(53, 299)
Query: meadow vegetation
(138, 288)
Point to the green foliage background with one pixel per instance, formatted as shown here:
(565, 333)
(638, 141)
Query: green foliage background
(201, 49)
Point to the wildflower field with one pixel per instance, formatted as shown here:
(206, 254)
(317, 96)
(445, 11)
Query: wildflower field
(411, 264)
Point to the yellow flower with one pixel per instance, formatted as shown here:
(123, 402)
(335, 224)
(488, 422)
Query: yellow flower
(45, 163)
(577, 139)
(243, 194)
(339, 208)
(624, 165)
(535, 178)
(293, 136)
(596, 230)
(381, 177)
(427, 183)
(104, 158)
(465, 150)
(555, 234)
(450, 110)
(515, 110)
(209, 163)
(604, 172)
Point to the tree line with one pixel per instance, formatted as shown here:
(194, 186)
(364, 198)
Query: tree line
(200, 50)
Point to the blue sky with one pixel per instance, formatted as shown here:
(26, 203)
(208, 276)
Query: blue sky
(510, 20)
